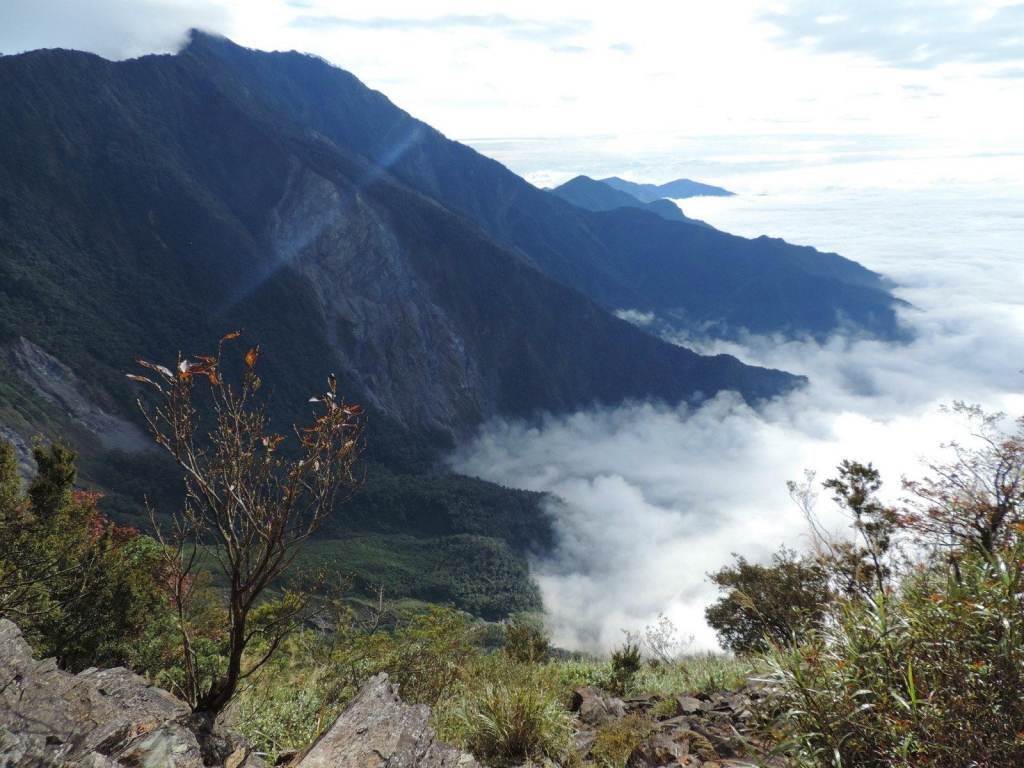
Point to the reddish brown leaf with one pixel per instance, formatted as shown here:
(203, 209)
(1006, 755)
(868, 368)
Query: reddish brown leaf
(233, 335)
(250, 357)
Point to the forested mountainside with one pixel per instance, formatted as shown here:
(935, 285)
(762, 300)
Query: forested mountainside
(151, 205)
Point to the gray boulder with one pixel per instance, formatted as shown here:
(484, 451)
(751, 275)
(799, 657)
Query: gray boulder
(379, 731)
(95, 719)
(595, 709)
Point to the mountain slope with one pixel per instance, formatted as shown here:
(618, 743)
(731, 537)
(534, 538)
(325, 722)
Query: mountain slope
(581, 249)
(676, 190)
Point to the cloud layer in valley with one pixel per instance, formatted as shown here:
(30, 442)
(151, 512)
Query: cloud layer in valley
(655, 496)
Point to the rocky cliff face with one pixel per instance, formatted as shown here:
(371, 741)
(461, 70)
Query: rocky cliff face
(394, 337)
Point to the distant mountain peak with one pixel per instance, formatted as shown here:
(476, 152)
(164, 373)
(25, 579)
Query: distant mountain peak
(592, 195)
(676, 190)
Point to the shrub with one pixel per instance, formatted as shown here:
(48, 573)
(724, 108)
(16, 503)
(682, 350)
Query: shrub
(626, 662)
(82, 589)
(767, 604)
(526, 643)
(661, 641)
(250, 505)
(430, 655)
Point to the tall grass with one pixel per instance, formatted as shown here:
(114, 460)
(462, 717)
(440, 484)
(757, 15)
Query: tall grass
(930, 676)
(701, 672)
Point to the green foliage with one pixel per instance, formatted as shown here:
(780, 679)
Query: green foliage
(427, 654)
(926, 677)
(868, 569)
(767, 604)
(706, 672)
(526, 642)
(917, 665)
(616, 741)
(430, 654)
(626, 662)
(81, 589)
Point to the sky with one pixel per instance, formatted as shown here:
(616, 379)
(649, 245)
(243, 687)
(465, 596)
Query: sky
(885, 130)
(553, 89)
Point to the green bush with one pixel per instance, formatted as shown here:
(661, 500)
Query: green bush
(82, 589)
(526, 642)
(766, 604)
(626, 662)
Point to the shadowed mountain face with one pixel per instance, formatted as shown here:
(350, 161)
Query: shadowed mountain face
(676, 190)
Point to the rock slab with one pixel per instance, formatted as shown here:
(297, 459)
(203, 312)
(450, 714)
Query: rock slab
(379, 731)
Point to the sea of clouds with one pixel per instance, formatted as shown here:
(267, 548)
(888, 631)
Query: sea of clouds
(654, 497)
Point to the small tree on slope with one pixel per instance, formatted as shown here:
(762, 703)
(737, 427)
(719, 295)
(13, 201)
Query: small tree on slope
(249, 509)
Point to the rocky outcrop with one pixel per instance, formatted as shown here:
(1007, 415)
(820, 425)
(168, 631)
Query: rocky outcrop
(112, 719)
(694, 731)
(87, 409)
(98, 719)
(379, 731)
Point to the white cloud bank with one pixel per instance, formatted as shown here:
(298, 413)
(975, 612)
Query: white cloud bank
(656, 496)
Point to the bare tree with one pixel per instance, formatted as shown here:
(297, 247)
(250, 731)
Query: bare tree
(249, 508)
(977, 498)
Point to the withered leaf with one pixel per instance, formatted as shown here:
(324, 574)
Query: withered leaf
(250, 357)
(142, 380)
(154, 367)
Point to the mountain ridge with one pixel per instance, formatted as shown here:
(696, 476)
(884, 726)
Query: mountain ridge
(562, 241)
